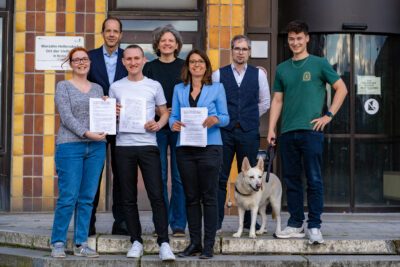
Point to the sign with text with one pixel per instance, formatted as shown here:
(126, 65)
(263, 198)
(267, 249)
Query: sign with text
(368, 85)
(51, 51)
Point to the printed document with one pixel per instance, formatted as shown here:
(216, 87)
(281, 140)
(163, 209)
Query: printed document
(102, 115)
(194, 134)
(133, 115)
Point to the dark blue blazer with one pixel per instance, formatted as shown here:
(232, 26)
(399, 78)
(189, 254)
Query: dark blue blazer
(98, 71)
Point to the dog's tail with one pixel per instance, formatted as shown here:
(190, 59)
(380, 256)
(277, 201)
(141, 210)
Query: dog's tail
(273, 215)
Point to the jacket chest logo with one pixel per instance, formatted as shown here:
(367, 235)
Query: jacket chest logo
(306, 76)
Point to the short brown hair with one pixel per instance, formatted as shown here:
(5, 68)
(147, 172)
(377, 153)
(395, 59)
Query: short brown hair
(103, 26)
(297, 26)
(134, 46)
(187, 76)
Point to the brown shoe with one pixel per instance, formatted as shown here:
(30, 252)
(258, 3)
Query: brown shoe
(178, 232)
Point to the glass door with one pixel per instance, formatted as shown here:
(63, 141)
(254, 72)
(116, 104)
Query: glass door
(376, 124)
(336, 162)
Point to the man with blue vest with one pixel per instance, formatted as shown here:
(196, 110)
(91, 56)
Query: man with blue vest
(248, 98)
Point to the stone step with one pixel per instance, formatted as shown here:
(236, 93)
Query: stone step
(38, 258)
(266, 244)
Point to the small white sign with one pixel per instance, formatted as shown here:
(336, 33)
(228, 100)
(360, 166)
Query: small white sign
(371, 106)
(51, 51)
(259, 49)
(368, 85)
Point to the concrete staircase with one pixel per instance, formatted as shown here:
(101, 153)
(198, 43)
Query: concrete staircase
(27, 249)
(350, 240)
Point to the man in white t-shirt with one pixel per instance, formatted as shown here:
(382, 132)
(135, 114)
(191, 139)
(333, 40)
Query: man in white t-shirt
(140, 149)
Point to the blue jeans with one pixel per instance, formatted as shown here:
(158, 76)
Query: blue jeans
(176, 206)
(244, 144)
(303, 148)
(78, 167)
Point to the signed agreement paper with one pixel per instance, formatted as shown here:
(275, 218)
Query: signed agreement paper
(194, 134)
(103, 115)
(133, 115)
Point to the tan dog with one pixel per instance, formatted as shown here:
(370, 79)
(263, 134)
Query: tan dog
(253, 193)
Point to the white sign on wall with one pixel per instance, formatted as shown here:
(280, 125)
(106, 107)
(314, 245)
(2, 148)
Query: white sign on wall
(368, 85)
(51, 51)
(259, 49)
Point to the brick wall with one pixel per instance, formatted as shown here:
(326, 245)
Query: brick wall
(35, 122)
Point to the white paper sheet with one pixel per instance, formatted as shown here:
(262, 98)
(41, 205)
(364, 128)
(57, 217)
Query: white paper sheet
(194, 134)
(133, 115)
(103, 115)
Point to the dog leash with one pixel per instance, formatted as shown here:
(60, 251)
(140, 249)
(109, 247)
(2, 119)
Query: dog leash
(271, 155)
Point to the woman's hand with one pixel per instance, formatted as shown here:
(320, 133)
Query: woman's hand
(210, 121)
(95, 136)
(176, 127)
(152, 126)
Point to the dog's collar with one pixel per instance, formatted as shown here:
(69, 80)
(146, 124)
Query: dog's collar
(241, 193)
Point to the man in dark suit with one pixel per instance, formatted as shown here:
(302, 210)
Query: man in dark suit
(106, 67)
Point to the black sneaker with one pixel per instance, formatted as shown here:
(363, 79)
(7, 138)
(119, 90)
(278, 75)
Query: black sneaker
(206, 254)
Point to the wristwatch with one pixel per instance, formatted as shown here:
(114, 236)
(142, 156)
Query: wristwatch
(329, 114)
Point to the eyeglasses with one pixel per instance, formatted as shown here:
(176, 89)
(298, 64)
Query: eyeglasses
(80, 60)
(238, 49)
(200, 61)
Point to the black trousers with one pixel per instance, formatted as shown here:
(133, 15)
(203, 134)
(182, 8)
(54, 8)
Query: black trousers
(117, 211)
(199, 168)
(128, 159)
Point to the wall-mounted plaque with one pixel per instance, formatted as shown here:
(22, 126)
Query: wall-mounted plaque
(51, 51)
(259, 49)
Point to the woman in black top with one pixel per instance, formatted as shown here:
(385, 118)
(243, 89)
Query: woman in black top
(166, 69)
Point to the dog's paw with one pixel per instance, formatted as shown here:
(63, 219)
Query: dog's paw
(260, 232)
(252, 235)
(237, 235)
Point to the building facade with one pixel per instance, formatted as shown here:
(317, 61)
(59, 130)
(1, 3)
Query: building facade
(361, 159)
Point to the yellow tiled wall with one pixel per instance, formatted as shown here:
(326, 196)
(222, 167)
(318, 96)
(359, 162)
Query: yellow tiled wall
(225, 19)
(35, 119)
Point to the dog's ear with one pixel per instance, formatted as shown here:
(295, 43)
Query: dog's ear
(260, 164)
(245, 165)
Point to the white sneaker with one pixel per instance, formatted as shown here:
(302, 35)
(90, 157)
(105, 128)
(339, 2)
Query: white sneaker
(291, 232)
(315, 236)
(166, 252)
(136, 250)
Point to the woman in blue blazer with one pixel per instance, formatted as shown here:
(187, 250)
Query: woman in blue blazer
(199, 166)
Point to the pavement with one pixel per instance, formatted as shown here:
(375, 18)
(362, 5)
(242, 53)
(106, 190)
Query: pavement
(351, 239)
